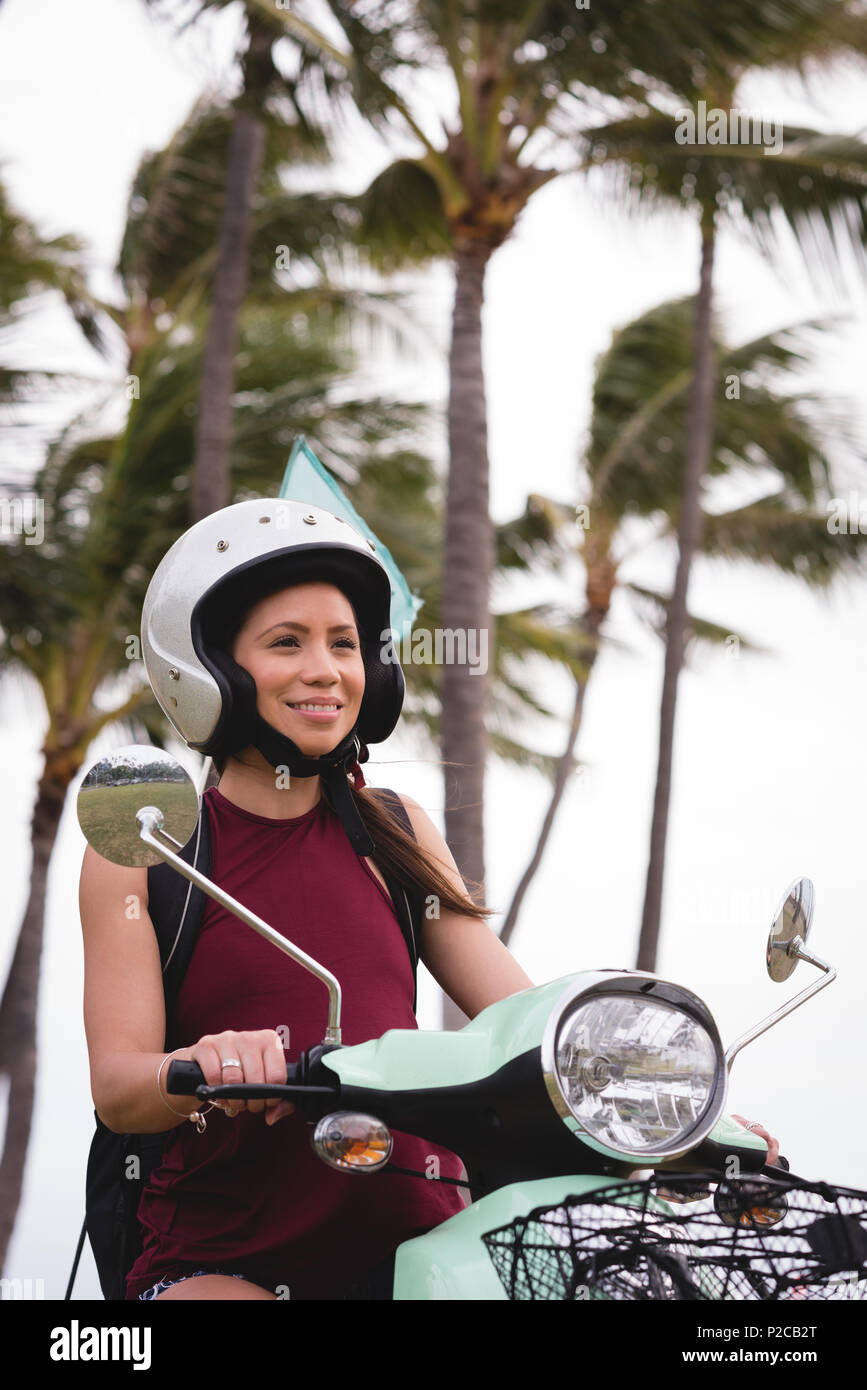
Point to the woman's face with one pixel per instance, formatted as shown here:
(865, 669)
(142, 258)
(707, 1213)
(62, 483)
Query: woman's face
(302, 647)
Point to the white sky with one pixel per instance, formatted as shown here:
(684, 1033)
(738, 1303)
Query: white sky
(770, 762)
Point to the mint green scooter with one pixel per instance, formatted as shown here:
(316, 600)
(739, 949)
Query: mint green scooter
(588, 1113)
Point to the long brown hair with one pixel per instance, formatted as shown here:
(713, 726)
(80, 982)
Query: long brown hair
(399, 853)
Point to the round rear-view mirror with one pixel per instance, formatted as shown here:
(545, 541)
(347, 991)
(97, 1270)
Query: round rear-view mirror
(121, 784)
(793, 918)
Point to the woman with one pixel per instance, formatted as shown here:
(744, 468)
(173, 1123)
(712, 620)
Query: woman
(253, 618)
(248, 623)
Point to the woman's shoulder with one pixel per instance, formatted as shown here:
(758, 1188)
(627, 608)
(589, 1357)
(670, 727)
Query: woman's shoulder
(425, 831)
(393, 791)
(100, 875)
(384, 794)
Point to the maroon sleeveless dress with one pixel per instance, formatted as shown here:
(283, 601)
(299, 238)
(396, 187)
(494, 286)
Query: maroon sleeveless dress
(250, 1198)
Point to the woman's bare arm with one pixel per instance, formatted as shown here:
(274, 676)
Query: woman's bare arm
(124, 1008)
(124, 1015)
(462, 953)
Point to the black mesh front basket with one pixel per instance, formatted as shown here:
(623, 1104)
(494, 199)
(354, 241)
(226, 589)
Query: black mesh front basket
(625, 1242)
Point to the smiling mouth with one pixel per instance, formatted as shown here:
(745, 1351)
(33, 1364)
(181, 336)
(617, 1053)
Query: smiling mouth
(305, 707)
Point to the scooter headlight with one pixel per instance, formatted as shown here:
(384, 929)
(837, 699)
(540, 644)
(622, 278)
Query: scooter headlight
(641, 1076)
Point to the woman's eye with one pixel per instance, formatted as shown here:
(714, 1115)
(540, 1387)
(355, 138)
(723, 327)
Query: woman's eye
(282, 641)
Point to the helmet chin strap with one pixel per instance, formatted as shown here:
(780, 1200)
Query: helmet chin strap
(332, 767)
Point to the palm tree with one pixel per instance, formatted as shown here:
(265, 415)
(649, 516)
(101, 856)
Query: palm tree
(32, 268)
(638, 431)
(814, 184)
(299, 242)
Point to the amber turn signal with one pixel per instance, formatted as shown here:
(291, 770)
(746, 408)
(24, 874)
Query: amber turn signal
(352, 1142)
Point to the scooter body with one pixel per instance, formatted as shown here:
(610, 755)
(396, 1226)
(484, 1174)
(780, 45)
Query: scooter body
(449, 1082)
(452, 1261)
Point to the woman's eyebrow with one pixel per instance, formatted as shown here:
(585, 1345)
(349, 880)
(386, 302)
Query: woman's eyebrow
(339, 627)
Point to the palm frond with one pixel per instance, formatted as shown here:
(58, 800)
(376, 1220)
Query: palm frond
(814, 182)
(402, 217)
(540, 535)
(516, 754)
(639, 416)
(545, 630)
(653, 606)
(773, 532)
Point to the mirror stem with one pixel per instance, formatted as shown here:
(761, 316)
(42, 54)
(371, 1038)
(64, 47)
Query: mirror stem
(796, 947)
(171, 839)
(151, 825)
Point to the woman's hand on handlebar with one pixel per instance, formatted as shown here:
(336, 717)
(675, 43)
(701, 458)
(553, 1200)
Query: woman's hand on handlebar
(252, 1058)
(773, 1144)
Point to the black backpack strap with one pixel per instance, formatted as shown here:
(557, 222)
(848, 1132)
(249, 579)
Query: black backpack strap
(407, 900)
(175, 907)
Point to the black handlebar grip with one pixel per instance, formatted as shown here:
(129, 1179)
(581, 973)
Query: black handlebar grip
(782, 1163)
(182, 1078)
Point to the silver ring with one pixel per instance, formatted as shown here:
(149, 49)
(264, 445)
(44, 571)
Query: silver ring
(752, 1125)
(231, 1062)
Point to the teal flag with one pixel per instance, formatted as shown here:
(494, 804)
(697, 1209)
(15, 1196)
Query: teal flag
(308, 480)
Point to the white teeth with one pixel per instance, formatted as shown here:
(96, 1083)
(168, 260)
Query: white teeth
(316, 708)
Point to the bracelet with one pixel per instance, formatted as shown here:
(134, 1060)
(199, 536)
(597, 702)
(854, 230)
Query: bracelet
(196, 1117)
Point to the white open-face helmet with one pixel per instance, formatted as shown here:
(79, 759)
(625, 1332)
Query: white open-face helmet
(205, 585)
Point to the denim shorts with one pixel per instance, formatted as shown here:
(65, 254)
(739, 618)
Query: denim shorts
(163, 1284)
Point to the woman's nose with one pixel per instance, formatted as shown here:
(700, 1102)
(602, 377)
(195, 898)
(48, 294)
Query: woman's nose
(321, 665)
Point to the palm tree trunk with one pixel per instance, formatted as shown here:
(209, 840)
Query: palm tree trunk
(698, 454)
(18, 1008)
(211, 481)
(601, 578)
(468, 562)
(565, 766)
